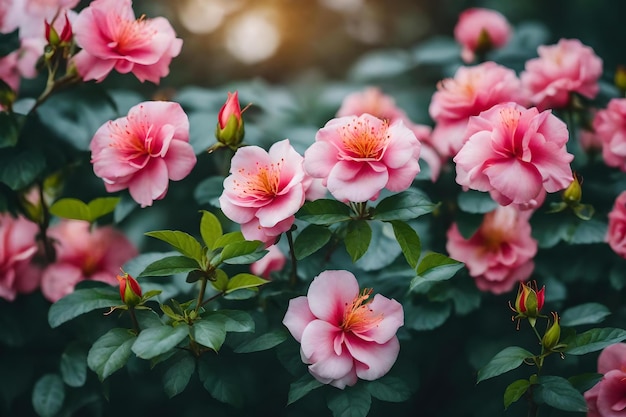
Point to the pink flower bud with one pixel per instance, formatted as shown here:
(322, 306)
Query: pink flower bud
(130, 291)
(230, 129)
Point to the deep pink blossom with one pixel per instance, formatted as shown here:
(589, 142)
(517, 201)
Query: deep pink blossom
(359, 156)
(608, 397)
(561, 69)
(144, 150)
(17, 248)
(112, 38)
(610, 126)
(264, 190)
(514, 153)
(273, 261)
(343, 335)
(480, 30)
(471, 91)
(500, 253)
(616, 233)
(84, 254)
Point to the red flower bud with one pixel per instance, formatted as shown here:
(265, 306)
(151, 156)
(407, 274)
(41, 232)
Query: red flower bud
(66, 33)
(529, 301)
(230, 130)
(53, 37)
(130, 291)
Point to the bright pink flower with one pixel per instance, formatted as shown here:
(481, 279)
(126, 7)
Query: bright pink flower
(274, 260)
(610, 126)
(264, 190)
(17, 248)
(471, 91)
(84, 254)
(359, 156)
(608, 397)
(343, 335)
(616, 233)
(561, 69)
(514, 153)
(112, 38)
(500, 253)
(144, 150)
(480, 30)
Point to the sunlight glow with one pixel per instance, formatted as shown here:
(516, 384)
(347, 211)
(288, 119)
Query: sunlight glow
(253, 37)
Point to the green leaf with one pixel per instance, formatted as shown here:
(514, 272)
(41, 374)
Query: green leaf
(311, 239)
(223, 386)
(584, 382)
(71, 208)
(409, 242)
(110, 352)
(102, 206)
(73, 365)
(244, 252)
(263, 342)
(234, 320)
(559, 393)
(323, 212)
(389, 389)
(302, 387)
(590, 231)
(353, 401)
(9, 42)
(244, 280)
(594, 340)
(427, 316)
(589, 313)
(228, 238)
(10, 126)
(209, 190)
(435, 267)
(476, 202)
(358, 238)
(180, 369)
(48, 395)
(209, 333)
(80, 302)
(158, 340)
(514, 391)
(406, 205)
(210, 229)
(507, 359)
(169, 266)
(181, 241)
(20, 167)
(221, 281)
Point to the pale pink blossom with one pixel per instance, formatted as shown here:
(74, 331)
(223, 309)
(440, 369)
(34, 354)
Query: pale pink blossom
(359, 156)
(616, 233)
(608, 397)
(561, 69)
(18, 245)
(500, 253)
(112, 38)
(274, 260)
(514, 153)
(84, 254)
(610, 126)
(144, 150)
(9, 72)
(471, 91)
(480, 30)
(343, 336)
(264, 190)
(30, 15)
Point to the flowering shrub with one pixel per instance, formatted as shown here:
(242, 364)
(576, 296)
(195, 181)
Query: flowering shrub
(344, 249)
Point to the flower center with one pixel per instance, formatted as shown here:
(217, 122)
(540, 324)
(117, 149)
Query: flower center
(358, 317)
(134, 144)
(128, 35)
(362, 141)
(261, 184)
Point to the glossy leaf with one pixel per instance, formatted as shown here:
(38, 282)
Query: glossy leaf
(158, 340)
(358, 239)
(514, 391)
(242, 252)
(559, 393)
(221, 281)
(20, 168)
(302, 387)
(353, 401)
(476, 202)
(10, 126)
(311, 239)
(227, 238)
(169, 266)
(209, 333)
(80, 302)
(210, 229)
(389, 389)
(181, 241)
(244, 280)
(409, 242)
(435, 267)
(594, 340)
(234, 320)
(180, 369)
(110, 352)
(263, 342)
(48, 395)
(73, 366)
(506, 360)
(403, 206)
(324, 212)
(588, 313)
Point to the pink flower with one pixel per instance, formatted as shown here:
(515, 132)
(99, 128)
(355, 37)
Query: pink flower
(471, 91)
(9, 72)
(610, 126)
(561, 69)
(359, 156)
(112, 38)
(480, 30)
(144, 150)
(608, 397)
(274, 260)
(83, 254)
(500, 253)
(514, 153)
(264, 190)
(343, 335)
(230, 126)
(616, 233)
(30, 15)
(17, 248)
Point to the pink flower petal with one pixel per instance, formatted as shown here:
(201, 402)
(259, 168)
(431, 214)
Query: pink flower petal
(317, 347)
(515, 179)
(373, 360)
(298, 316)
(330, 293)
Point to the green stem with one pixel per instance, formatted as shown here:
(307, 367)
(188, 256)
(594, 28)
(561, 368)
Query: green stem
(53, 86)
(199, 302)
(133, 317)
(213, 297)
(293, 279)
(48, 248)
(536, 333)
(533, 408)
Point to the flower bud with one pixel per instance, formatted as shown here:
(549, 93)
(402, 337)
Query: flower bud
(230, 130)
(552, 335)
(53, 37)
(130, 291)
(574, 192)
(529, 301)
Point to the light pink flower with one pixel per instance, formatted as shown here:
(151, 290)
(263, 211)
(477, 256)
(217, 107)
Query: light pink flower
(359, 156)
(274, 260)
(514, 153)
(9, 72)
(264, 190)
(30, 15)
(608, 397)
(471, 91)
(84, 254)
(610, 126)
(561, 69)
(144, 150)
(343, 336)
(616, 233)
(500, 253)
(480, 30)
(17, 248)
(112, 38)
